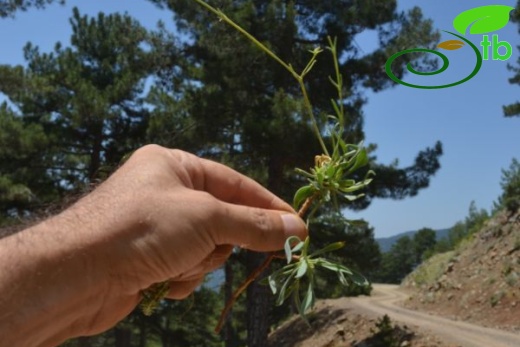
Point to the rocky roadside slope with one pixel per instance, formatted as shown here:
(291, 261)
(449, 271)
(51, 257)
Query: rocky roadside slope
(335, 323)
(479, 282)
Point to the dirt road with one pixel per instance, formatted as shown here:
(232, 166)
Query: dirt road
(384, 301)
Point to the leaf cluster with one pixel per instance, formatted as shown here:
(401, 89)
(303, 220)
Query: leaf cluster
(297, 278)
(330, 176)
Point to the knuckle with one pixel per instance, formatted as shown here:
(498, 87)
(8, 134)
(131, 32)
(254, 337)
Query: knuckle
(261, 219)
(264, 225)
(150, 148)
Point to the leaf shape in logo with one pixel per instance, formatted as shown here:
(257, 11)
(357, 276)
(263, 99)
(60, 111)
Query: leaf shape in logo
(483, 19)
(451, 45)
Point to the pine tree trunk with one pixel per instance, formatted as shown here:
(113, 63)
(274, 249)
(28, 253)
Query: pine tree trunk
(259, 301)
(227, 333)
(258, 305)
(143, 332)
(122, 337)
(84, 341)
(95, 155)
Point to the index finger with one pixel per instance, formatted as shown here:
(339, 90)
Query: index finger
(231, 186)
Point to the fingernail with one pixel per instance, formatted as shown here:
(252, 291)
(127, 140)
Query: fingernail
(293, 225)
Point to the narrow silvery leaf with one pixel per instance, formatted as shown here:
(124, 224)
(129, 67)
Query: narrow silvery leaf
(282, 296)
(359, 279)
(302, 268)
(272, 284)
(361, 160)
(334, 267)
(342, 278)
(350, 197)
(306, 246)
(288, 248)
(308, 300)
(290, 290)
(298, 246)
(329, 248)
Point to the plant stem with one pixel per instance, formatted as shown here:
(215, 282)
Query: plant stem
(260, 45)
(339, 80)
(288, 67)
(308, 202)
(310, 111)
(241, 289)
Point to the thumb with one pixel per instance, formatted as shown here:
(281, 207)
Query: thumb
(256, 229)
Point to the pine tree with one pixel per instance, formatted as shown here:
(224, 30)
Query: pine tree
(9, 7)
(80, 108)
(424, 240)
(23, 166)
(510, 184)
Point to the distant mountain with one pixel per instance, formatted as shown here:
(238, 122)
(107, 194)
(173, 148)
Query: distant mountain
(385, 243)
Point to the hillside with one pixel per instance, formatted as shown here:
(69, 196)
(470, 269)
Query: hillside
(478, 282)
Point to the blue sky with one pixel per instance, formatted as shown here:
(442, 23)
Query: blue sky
(478, 141)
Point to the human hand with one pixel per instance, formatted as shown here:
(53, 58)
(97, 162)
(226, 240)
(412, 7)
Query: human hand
(164, 215)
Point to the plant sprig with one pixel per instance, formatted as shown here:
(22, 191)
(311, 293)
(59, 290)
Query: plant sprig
(330, 178)
(288, 280)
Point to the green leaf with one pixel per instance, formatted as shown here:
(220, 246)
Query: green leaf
(361, 160)
(301, 195)
(353, 188)
(329, 248)
(343, 145)
(282, 296)
(359, 279)
(298, 246)
(272, 284)
(308, 300)
(483, 19)
(342, 278)
(290, 290)
(350, 197)
(304, 173)
(297, 300)
(302, 268)
(288, 248)
(306, 246)
(330, 172)
(274, 279)
(334, 267)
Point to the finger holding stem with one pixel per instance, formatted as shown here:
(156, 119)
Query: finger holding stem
(259, 270)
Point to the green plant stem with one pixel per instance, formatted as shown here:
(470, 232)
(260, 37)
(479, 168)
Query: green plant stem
(339, 79)
(308, 106)
(226, 19)
(288, 67)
